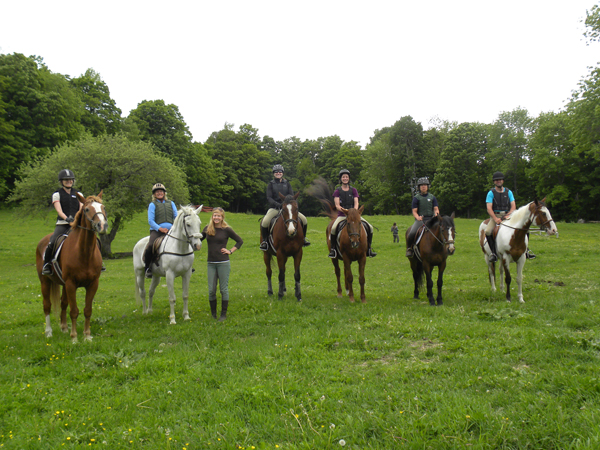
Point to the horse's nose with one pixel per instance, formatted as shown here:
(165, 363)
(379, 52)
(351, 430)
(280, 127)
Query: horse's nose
(198, 246)
(451, 250)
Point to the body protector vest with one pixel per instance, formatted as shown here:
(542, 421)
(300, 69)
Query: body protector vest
(425, 205)
(501, 201)
(346, 198)
(68, 202)
(163, 212)
(274, 188)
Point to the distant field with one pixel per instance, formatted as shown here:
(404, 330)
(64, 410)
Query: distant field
(476, 373)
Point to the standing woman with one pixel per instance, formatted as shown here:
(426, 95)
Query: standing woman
(346, 197)
(161, 215)
(66, 204)
(217, 233)
(276, 186)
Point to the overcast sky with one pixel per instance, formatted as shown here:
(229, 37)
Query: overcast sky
(314, 68)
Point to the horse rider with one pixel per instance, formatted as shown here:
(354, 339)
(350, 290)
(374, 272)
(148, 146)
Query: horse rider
(500, 204)
(424, 208)
(66, 204)
(346, 197)
(161, 215)
(276, 186)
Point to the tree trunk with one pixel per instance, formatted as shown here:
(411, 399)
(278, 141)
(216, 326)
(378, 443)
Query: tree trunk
(106, 239)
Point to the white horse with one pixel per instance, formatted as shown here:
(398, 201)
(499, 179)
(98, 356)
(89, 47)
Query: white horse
(512, 240)
(175, 259)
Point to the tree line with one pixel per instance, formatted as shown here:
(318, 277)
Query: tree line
(49, 121)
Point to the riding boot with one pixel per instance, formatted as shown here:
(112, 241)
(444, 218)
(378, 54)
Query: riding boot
(47, 269)
(528, 253)
(264, 241)
(409, 249)
(492, 243)
(333, 253)
(148, 257)
(370, 252)
(224, 305)
(213, 308)
(306, 243)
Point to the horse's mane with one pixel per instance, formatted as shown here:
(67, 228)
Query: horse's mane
(289, 199)
(519, 214)
(187, 210)
(88, 199)
(320, 190)
(353, 215)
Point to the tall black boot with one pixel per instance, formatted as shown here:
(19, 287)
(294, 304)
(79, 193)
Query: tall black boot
(370, 252)
(264, 237)
(224, 305)
(492, 243)
(47, 268)
(333, 252)
(306, 243)
(213, 308)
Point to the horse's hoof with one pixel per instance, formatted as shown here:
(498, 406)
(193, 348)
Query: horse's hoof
(186, 317)
(74, 341)
(416, 297)
(299, 299)
(49, 334)
(440, 304)
(88, 338)
(339, 295)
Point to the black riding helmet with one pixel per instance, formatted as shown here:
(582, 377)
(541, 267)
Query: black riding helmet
(497, 176)
(66, 174)
(343, 172)
(278, 168)
(423, 180)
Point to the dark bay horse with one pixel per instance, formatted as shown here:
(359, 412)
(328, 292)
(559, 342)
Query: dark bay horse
(287, 240)
(512, 240)
(432, 249)
(80, 263)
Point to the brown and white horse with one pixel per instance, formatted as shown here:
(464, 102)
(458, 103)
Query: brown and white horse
(80, 263)
(511, 242)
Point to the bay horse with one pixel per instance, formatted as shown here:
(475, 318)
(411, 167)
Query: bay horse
(511, 242)
(80, 265)
(287, 241)
(431, 250)
(175, 258)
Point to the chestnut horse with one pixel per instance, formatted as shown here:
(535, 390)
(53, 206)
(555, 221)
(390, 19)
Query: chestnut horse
(80, 264)
(512, 240)
(287, 240)
(431, 250)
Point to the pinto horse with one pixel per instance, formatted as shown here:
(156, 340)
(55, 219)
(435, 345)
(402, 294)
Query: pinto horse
(80, 264)
(511, 242)
(287, 240)
(432, 249)
(175, 259)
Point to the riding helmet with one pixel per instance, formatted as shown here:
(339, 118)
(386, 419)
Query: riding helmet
(423, 180)
(498, 176)
(278, 168)
(66, 174)
(158, 186)
(343, 172)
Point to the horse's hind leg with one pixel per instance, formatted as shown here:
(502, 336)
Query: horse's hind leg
(90, 292)
(440, 283)
(64, 303)
(151, 290)
(185, 282)
(336, 267)
(281, 260)
(361, 278)
(520, 265)
(70, 292)
(349, 280)
(269, 272)
(507, 278)
(297, 261)
(427, 270)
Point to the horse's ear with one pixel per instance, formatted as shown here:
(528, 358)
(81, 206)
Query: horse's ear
(100, 194)
(345, 211)
(199, 209)
(80, 197)
(296, 195)
(361, 209)
(281, 196)
(543, 200)
(452, 216)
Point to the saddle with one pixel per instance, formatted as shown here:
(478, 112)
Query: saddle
(496, 228)
(270, 243)
(154, 249)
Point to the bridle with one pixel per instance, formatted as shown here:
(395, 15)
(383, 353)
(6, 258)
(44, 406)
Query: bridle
(188, 239)
(91, 221)
(542, 226)
(445, 242)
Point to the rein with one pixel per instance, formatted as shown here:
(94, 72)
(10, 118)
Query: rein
(442, 229)
(91, 221)
(188, 240)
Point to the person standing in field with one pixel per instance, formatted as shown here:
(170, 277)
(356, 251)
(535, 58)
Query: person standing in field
(395, 233)
(217, 234)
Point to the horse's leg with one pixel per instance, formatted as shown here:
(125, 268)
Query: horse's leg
(269, 271)
(64, 303)
(361, 277)
(440, 282)
(428, 269)
(506, 265)
(281, 260)
(297, 261)
(520, 265)
(170, 276)
(90, 292)
(151, 290)
(141, 289)
(185, 287)
(501, 272)
(349, 278)
(336, 267)
(46, 287)
(417, 274)
(70, 291)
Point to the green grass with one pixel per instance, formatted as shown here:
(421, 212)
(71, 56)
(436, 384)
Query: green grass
(477, 372)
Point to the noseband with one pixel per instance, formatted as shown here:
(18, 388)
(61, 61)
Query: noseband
(445, 242)
(91, 221)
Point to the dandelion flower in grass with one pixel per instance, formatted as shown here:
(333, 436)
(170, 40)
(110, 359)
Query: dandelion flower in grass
(342, 442)
(468, 417)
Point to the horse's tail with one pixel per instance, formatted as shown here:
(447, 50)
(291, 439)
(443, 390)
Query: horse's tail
(55, 297)
(418, 272)
(320, 190)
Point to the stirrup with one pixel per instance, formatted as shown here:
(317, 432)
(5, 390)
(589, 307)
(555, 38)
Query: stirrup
(47, 269)
(332, 253)
(493, 258)
(264, 246)
(149, 272)
(529, 255)
(306, 243)
(371, 253)
(409, 253)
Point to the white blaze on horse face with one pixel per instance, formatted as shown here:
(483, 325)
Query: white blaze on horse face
(550, 226)
(102, 225)
(291, 229)
(451, 240)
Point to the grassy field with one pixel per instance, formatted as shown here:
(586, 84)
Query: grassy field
(477, 373)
